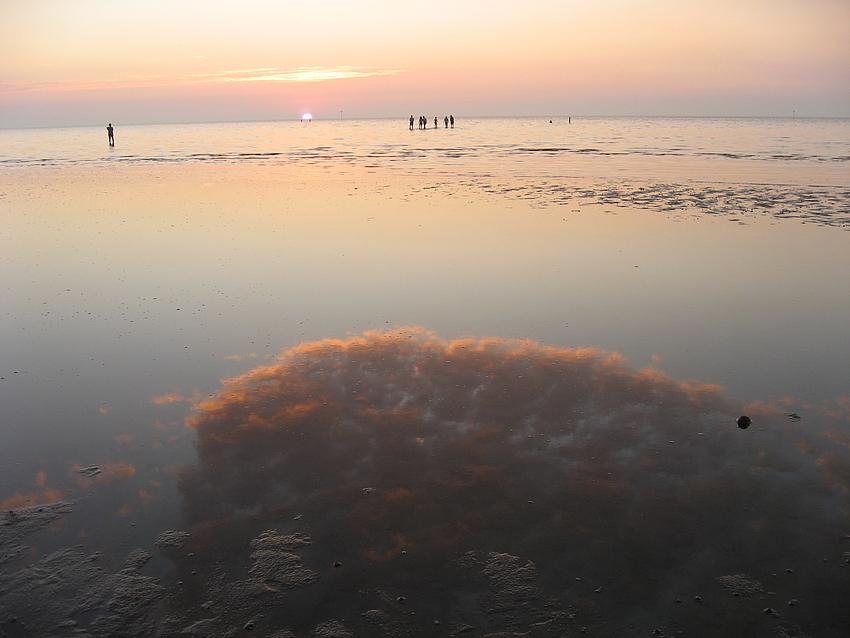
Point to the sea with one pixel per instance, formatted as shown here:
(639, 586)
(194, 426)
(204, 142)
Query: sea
(540, 376)
(800, 151)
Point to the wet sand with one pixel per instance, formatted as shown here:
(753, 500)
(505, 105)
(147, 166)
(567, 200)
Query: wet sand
(409, 482)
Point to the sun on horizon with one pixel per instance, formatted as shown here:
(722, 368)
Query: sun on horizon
(69, 64)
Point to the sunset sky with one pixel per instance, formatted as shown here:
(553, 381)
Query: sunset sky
(80, 62)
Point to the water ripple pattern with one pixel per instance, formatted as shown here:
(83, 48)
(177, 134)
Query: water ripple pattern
(784, 167)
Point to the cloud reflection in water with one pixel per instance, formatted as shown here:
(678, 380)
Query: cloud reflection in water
(401, 456)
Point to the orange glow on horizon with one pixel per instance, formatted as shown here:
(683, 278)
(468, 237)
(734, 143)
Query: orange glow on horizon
(375, 58)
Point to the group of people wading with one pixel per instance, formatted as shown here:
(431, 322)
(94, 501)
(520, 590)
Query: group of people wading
(448, 120)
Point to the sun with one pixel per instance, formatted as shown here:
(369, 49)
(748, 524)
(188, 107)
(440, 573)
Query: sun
(307, 117)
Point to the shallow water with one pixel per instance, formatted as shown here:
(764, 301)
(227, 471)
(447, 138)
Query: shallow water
(737, 150)
(136, 279)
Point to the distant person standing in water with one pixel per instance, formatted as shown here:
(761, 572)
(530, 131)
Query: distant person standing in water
(452, 120)
(411, 122)
(109, 132)
(446, 121)
(435, 123)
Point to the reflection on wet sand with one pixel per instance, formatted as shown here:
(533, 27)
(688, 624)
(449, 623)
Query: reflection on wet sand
(504, 486)
(395, 484)
(81, 479)
(814, 204)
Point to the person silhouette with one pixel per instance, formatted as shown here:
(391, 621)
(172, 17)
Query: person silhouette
(435, 123)
(446, 121)
(452, 120)
(109, 132)
(411, 122)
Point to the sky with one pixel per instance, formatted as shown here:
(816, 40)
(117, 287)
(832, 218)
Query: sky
(83, 62)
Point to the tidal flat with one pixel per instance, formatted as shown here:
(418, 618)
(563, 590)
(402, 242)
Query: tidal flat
(338, 400)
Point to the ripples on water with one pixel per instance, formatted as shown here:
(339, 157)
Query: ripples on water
(783, 167)
(364, 141)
